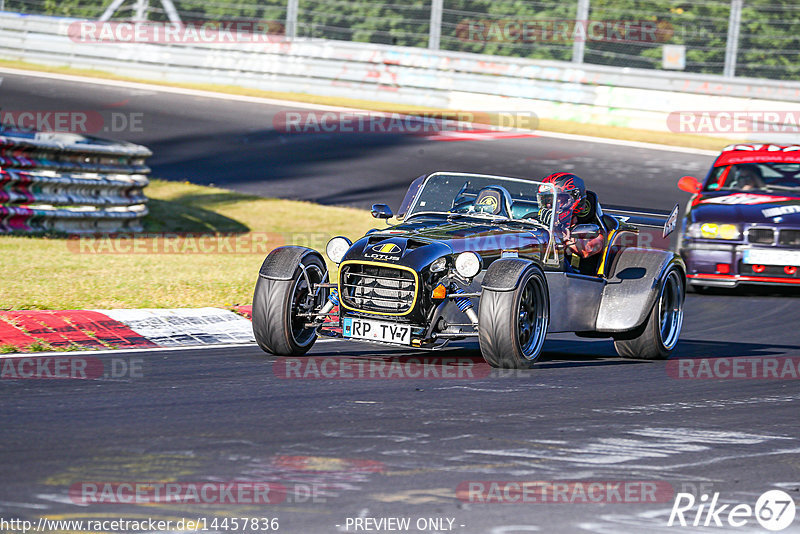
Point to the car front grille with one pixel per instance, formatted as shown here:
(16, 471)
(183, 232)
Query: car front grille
(377, 289)
(761, 236)
(789, 238)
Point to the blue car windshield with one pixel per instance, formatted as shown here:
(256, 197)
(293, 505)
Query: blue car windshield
(755, 177)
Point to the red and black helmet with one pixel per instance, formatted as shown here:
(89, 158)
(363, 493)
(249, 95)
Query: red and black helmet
(571, 194)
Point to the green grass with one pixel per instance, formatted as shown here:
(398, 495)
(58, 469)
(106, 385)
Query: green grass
(552, 125)
(53, 272)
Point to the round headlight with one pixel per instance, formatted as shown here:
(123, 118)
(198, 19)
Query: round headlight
(468, 264)
(709, 230)
(729, 231)
(337, 248)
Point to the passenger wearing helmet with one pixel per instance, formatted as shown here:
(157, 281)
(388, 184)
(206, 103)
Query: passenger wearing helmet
(572, 208)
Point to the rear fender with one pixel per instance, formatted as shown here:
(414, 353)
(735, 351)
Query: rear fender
(632, 287)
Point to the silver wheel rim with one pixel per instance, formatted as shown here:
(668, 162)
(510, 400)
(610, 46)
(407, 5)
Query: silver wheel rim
(303, 301)
(532, 318)
(670, 310)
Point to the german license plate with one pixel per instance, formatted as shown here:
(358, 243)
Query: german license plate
(354, 327)
(771, 257)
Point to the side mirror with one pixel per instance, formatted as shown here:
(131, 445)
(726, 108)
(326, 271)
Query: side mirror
(690, 184)
(586, 231)
(381, 211)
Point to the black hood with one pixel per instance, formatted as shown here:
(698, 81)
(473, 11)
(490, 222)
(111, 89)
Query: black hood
(417, 244)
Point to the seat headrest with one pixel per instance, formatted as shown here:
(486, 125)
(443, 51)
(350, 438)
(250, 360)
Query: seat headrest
(489, 201)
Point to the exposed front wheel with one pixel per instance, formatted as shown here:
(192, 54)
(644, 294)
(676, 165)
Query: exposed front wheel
(282, 308)
(513, 324)
(656, 338)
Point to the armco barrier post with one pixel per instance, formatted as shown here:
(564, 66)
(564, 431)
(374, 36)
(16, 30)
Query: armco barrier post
(581, 17)
(291, 19)
(732, 46)
(435, 35)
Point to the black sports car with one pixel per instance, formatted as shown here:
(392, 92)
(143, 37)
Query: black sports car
(475, 256)
(742, 224)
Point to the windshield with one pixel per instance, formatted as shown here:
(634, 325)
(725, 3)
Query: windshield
(475, 195)
(499, 199)
(755, 177)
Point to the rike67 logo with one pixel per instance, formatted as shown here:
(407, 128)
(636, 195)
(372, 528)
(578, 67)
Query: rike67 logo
(774, 510)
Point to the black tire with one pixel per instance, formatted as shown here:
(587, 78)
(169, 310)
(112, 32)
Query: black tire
(513, 324)
(655, 339)
(276, 303)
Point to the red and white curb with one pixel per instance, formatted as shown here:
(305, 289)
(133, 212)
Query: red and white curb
(137, 328)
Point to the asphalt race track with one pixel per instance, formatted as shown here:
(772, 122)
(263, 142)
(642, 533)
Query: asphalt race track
(372, 448)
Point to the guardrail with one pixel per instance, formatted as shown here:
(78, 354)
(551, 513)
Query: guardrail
(635, 98)
(68, 183)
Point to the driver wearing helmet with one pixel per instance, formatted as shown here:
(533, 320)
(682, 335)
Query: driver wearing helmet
(748, 177)
(572, 208)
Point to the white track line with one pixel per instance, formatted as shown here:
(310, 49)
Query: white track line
(173, 90)
(630, 144)
(304, 105)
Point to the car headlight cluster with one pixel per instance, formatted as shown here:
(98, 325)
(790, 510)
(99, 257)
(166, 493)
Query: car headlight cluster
(337, 248)
(728, 232)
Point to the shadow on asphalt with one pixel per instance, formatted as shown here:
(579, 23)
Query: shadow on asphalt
(690, 349)
(556, 353)
(568, 353)
(253, 161)
(751, 291)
